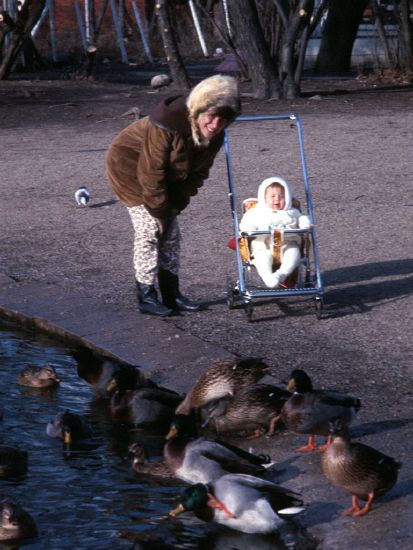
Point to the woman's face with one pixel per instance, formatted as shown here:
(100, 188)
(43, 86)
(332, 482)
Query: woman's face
(211, 125)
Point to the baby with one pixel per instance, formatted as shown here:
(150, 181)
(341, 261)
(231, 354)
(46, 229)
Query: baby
(274, 211)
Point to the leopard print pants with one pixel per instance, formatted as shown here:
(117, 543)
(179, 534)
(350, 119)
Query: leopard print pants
(150, 252)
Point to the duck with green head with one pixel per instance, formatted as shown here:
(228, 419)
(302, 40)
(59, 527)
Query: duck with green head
(242, 502)
(152, 406)
(309, 411)
(13, 462)
(362, 471)
(201, 460)
(98, 369)
(69, 427)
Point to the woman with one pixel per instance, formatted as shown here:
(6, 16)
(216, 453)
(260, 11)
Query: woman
(155, 166)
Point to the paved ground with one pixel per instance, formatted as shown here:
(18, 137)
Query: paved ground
(68, 269)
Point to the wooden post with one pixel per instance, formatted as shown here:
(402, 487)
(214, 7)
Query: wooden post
(198, 28)
(119, 32)
(142, 30)
(52, 28)
(80, 25)
(89, 22)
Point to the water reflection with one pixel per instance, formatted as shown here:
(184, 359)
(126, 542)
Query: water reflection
(88, 496)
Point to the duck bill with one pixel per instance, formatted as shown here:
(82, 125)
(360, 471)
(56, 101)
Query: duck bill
(67, 438)
(291, 385)
(112, 385)
(176, 511)
(173, 432)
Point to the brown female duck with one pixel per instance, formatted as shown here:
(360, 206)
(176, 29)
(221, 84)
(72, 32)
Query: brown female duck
(363, 471)
(253, 409)
(15, 523)
(142, 465)
(38, 377)
(309, 411)
(221, 379)
(13, 462)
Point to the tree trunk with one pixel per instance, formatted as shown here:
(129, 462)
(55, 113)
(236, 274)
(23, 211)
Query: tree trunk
(25, 21)
(173, 57)
(338, 36)
(406, 35)
(248, 37)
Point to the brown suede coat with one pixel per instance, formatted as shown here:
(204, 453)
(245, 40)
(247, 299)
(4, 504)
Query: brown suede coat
(155, 162)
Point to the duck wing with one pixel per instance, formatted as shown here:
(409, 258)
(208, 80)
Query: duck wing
(242, 490)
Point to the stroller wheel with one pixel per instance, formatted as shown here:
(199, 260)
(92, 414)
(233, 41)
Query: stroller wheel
(230, 294)
(248, 310)
(318, 303)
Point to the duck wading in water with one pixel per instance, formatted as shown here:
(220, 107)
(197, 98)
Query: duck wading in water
(155, 166)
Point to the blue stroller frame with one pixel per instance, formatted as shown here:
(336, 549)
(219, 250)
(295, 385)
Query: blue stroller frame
(312, 284)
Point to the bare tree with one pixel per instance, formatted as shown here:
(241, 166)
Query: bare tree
(405, 8)
(272, 35)
(339, 34)
(178, 72)
(249, 39)
(26, 19)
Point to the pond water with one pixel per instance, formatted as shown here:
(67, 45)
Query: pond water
(89, 497)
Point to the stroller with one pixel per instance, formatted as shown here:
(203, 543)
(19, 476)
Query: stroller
(306, 280)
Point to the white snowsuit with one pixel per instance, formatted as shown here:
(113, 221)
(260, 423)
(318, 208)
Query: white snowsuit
(262, 218)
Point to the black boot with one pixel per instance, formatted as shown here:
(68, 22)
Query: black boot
(148, 301)
(171, 297)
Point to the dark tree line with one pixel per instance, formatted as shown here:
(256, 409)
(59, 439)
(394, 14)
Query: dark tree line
(269, 38)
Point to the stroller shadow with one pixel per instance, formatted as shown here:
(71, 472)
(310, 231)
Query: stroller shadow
(360, 298)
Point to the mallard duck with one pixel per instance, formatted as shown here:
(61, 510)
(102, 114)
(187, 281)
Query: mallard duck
(221, 379)
(201, 459)
(15, 523)
(142, 465)
(38, 377)
(69, 427)
(143, 406)
(242, 502)
(309, 411)
(363, 471)
(13, 462)
(254, 409)
(97, 370)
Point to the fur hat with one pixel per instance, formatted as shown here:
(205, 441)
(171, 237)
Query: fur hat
(216, 94)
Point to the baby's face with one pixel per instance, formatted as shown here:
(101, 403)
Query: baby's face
(275, 198)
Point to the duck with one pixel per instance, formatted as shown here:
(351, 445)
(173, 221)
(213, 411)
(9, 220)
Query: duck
(364, 472)
(13, 462)
(309, 411)
(201, 459)
(69, 427)
(97, 370)
(242, 502)
(145, 406)
(142, 465)
(38, 377)
(253, 409)
(15, 523)
(223, 378)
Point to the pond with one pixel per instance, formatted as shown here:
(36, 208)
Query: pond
(89, 497)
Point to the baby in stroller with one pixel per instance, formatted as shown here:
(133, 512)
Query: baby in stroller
(274, 211)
